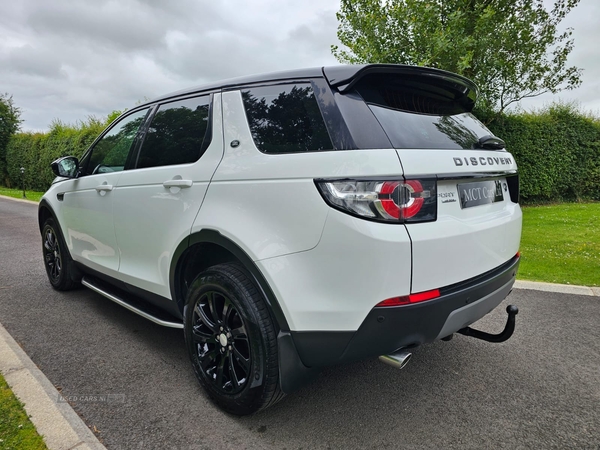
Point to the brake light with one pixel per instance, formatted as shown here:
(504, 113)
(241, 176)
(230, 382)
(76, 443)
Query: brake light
(385, 201)
(409, 299)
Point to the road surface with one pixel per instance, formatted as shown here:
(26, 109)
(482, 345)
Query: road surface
(541, 389)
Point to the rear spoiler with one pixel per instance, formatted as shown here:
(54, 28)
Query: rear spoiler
(345, 77)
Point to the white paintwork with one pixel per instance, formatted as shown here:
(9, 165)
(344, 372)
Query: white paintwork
(461, 243)
(429, 161)
(154, 209)
(86, 218)
(326, 268)
(356, 265)
(268, 204)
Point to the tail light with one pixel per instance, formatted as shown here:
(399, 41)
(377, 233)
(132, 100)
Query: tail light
(396, 201)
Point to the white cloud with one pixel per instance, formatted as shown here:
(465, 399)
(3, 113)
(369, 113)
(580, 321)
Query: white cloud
(586, 35)
(68, 59)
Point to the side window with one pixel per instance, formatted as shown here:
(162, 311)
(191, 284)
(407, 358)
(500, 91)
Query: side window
(285, 119)
(110, 153)
(179, 133)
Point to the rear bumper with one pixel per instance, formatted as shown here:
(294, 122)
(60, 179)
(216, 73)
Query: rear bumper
(388, 329)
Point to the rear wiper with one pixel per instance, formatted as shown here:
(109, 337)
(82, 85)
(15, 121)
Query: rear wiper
(489, 142)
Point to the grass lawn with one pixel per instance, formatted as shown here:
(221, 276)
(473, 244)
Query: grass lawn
(561, 244)
(18, 193)
(16, 430)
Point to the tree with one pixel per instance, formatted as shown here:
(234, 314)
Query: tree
(512, 49)
(9, 125)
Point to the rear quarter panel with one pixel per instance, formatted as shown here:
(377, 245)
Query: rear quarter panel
(269, 204)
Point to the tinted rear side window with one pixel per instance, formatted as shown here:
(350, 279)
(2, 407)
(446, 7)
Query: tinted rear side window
(285, 119)
(422, 113)
(178, 134)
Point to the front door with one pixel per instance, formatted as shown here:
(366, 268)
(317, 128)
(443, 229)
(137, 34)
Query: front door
(87, 219)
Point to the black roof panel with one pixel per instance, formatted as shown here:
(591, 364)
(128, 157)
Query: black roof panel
(341, 76)
(312, 72)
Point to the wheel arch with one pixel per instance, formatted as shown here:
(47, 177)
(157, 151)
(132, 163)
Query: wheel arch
(207, 248)
(45, 212)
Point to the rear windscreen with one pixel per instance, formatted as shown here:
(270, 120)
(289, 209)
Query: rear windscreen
(421, 112)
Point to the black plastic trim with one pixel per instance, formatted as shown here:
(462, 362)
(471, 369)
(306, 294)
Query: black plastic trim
(336, 126)
(364, 128)
(514, 187)
(388, 329)
(44, 204)
(214, 237)
(140, 305)
(485, 283)
(134, 294)
(293, 374)
(134, 154)
(465, 175)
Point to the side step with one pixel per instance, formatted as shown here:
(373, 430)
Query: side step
(146, 311)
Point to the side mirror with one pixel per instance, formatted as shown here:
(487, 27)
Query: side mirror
(67, 167)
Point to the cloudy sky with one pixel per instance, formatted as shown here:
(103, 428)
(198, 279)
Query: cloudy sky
(68, 59)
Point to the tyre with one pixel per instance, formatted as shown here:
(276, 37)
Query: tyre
(58, 262)
(231, 340)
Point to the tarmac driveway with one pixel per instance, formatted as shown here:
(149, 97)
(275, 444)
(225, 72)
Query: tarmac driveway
(541, 389)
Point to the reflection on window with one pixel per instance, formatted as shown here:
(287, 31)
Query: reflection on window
(285, 119)
(458, 129)
(177, 134)
(110, 153)
(408, 130)
(423, 112)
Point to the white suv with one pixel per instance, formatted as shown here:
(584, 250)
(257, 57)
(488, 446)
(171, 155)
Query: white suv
(293, 220)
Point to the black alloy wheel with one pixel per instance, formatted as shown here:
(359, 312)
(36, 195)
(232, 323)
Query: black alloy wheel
(221, 342)
(52, 255)
(231, 340)
(58, 262)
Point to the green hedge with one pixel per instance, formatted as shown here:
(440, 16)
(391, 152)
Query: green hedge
(557, 150)
(35, 151)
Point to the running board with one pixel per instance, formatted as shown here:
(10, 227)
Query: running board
(89, 283)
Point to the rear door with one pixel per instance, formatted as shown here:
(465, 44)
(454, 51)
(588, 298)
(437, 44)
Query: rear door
(427, 118)
(155, 203)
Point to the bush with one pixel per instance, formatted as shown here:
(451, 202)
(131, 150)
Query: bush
(35, 151)
(557, 150)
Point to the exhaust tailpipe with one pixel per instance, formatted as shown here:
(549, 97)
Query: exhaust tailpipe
(398, 360)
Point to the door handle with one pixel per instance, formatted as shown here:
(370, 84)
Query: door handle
(104, 187)
(178, 183)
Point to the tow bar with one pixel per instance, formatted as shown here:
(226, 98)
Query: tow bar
(509, 329)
